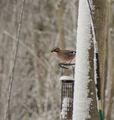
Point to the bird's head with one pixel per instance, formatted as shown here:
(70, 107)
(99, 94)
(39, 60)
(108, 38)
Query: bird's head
(55, 49)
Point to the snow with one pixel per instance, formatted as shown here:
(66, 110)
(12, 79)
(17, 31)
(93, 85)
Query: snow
(81, 101)
(67, 102)
(66, 78)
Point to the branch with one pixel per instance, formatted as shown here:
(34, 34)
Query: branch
(15, 56)
(27, 48)
(31, 111)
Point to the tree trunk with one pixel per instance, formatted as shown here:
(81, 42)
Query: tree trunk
(93, 112)
(85, 104)
(111, 65)
(100, 22)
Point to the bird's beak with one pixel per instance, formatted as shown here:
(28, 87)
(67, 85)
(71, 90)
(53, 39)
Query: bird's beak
(54, 50)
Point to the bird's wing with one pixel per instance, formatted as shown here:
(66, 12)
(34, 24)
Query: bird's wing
(69, 53)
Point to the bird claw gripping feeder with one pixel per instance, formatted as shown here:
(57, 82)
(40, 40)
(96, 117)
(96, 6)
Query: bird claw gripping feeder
(62, 65)
(65, 66)
(67, 91)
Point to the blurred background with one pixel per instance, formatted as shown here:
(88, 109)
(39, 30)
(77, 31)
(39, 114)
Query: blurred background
(36, 91)
(36, 86)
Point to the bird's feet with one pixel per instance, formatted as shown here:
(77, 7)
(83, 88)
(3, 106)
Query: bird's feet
(62, 65)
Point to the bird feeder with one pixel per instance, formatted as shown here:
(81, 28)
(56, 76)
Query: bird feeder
(67, 91)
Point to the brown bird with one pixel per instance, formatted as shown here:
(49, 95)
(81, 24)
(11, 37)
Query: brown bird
(64, 55)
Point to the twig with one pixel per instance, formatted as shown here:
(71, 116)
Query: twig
(10, 86)
(28, 49)
(31, 111)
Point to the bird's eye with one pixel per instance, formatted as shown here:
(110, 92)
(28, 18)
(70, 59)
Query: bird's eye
(56, 50)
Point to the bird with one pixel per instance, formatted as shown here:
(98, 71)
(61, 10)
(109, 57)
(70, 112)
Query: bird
(66, 56)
